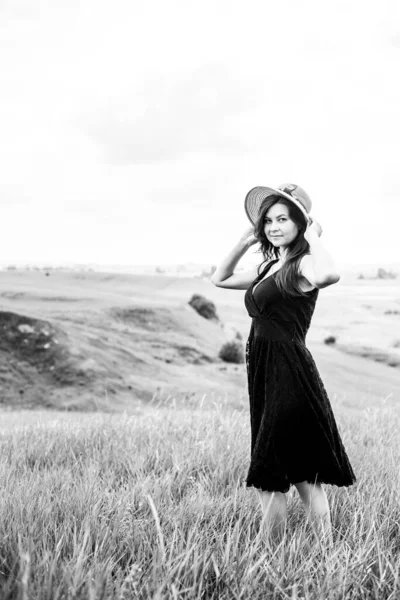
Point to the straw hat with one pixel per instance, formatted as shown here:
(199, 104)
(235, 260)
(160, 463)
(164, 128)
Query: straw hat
(292, 192)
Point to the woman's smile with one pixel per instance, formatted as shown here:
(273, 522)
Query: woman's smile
(278, 216)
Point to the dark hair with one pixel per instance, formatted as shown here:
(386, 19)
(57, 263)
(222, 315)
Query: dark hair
(287, 278)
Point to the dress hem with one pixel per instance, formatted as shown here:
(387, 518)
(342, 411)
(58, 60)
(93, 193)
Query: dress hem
(311, 481)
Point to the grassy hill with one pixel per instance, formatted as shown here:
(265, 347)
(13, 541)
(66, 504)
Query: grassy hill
(107, 341)
(104, 341)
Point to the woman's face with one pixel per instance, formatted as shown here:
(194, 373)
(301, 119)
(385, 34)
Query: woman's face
(279, 228)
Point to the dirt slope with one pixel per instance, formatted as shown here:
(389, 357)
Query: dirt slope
(103, 348)
(87, 340)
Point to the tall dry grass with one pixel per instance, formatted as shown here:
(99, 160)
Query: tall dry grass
(154, 506)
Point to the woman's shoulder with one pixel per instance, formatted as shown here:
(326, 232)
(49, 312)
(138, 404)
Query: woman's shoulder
(304, 283)
(303, 264)
(304, 260)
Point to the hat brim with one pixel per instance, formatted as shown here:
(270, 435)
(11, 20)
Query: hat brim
(256, 196)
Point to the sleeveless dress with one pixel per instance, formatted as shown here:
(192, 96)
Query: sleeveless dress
(294, 436)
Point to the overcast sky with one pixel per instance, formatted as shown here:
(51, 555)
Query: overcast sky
(131, 131)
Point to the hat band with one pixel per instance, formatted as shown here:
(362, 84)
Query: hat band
(289, 190)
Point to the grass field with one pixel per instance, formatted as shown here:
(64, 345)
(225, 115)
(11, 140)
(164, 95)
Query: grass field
(153, 505)
(144, 497)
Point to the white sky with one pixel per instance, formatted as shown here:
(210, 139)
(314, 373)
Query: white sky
(131, 131)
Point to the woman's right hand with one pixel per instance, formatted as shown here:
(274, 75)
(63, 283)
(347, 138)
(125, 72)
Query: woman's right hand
(249, 237)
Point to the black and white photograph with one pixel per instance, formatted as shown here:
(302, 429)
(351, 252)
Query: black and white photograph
(199, 300)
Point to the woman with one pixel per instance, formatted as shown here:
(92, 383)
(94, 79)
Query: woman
(294, 436)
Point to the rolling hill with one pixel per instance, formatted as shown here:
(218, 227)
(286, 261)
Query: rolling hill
(107, 341)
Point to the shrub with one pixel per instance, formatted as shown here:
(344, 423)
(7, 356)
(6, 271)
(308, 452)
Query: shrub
(204, 307)
(330, 340)
(232, 352)
(383, 274)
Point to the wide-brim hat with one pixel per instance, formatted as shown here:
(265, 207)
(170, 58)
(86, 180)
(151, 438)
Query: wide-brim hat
(292, 192)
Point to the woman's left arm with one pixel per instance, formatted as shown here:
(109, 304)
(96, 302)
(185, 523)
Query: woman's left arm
(318, 267)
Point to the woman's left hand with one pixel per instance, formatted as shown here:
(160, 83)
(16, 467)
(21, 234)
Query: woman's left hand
(312, 227)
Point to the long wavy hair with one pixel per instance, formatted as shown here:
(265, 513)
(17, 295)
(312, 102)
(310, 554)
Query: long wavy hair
(287, 277)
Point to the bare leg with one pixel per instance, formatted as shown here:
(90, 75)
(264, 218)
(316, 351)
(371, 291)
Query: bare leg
(316, 504)
(274, 509)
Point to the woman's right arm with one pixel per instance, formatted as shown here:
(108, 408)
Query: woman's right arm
(224, 275)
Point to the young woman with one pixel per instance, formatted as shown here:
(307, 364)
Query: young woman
(294, 436)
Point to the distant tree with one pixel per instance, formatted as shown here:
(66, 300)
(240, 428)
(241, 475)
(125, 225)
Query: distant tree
(204, 307)
(383, 274)
(159, 270)
(330, 340)
(209, 272)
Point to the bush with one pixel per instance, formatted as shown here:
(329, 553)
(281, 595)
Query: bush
(383, 274)
(330, 340)
(204, 307)
(232, 352)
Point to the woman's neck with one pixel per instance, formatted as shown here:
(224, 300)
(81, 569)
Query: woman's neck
(282, 255)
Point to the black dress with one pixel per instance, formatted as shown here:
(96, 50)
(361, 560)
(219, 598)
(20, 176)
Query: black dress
(294, 436)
